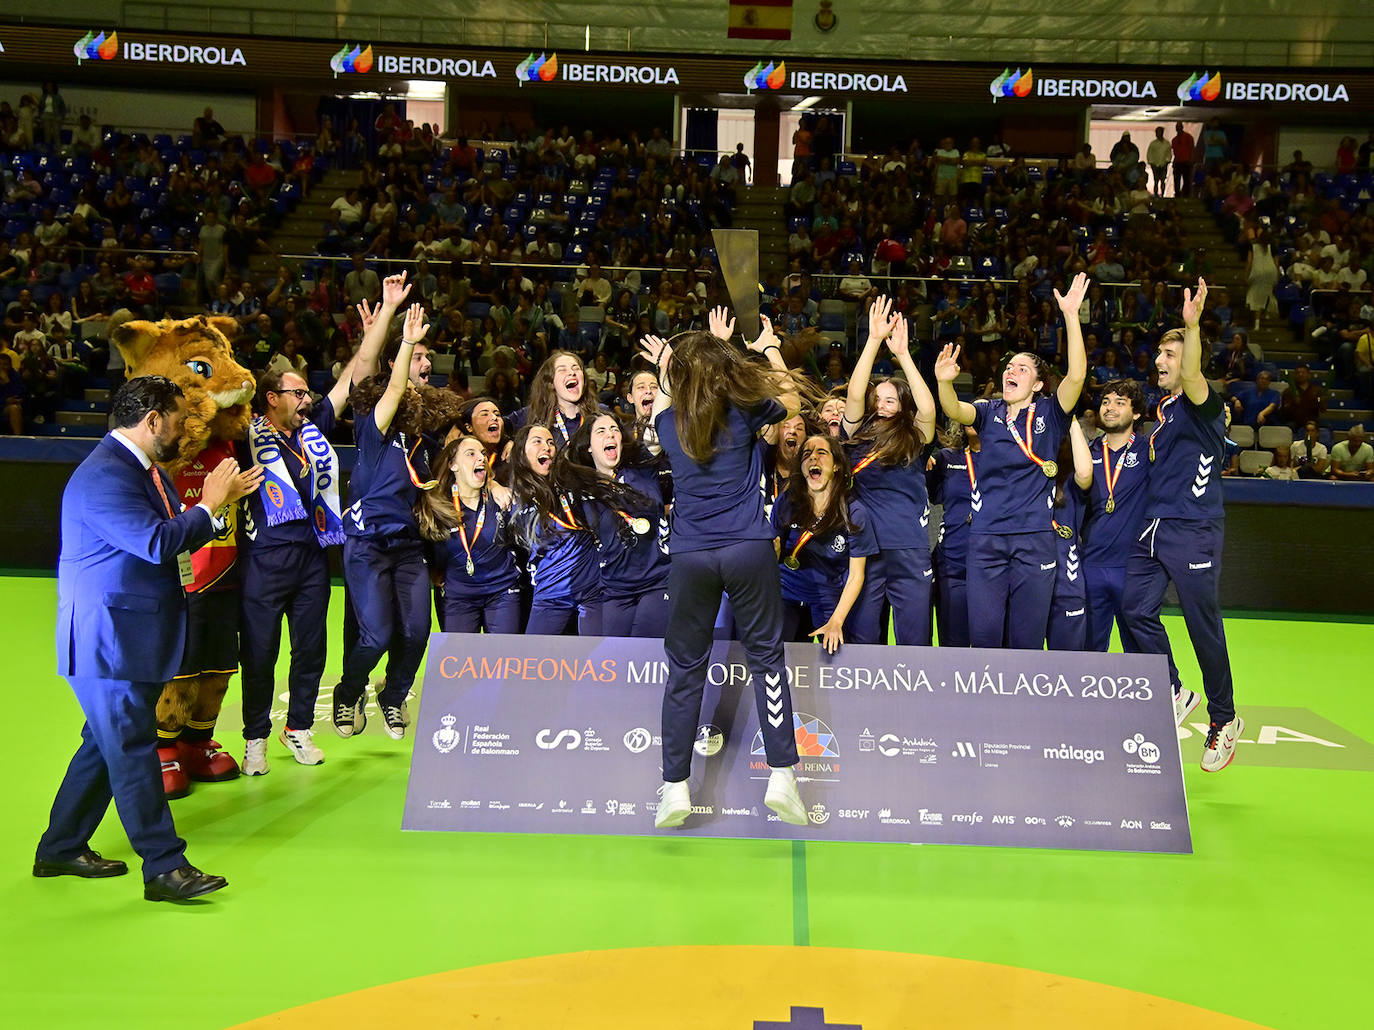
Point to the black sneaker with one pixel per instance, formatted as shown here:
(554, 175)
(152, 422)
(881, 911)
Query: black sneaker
(395, 721)
(349, 720)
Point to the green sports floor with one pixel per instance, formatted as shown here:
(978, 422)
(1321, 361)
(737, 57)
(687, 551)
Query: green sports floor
(1268, 922)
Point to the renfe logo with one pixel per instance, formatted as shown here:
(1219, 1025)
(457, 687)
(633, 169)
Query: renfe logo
(537, 69)
(352, 60)
(1199, 87)
(91, 47)
(766, 77)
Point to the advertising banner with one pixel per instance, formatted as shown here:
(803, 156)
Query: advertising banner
(531, 734)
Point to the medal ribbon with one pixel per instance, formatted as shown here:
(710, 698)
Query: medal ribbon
(571, 525)
(1159, 421)
(868, 460)
(1107, 468)
(1028, 449)
(414, 476)
(802, 541)
(462, 526)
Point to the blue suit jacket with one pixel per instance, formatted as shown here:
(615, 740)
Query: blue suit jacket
(121, 610)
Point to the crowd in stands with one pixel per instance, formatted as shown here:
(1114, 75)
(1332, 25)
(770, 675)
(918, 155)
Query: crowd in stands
(556, 239)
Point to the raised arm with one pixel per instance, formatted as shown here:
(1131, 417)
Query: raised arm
(767, 345)
(412, 333)
(880, 324)
(658, 352)
(946, 371)
(1071, 386)
(899, 344)
(376, 322)
(1082, 456)
(1190, 365)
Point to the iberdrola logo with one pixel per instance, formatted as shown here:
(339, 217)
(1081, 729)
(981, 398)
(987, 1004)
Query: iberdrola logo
(92, 47)
(352, 60)
(767, 76)
(537, 69)
(1011, 84)
(1200, 87)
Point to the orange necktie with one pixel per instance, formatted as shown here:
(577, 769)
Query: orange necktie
(161, 491)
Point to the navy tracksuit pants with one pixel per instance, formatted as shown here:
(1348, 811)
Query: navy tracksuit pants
(117, 760)
(497, 612)
(1068, 626)
(388, 583)
(642, 616)
(951, 603)
(293, 581)
(1010, 584)
(1187, 551)
(1105, 584)
(748, 571)
(900, 580)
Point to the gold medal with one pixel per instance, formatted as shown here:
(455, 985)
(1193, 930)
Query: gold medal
(1111, 505)
(1064, 531)
(791, 562)
(640, 526)
(1152, 450)
(472, 568)
(1050, 468)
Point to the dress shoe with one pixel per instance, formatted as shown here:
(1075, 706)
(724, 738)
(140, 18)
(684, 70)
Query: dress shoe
(182, 884)
(206, 761)
(87, 864)
(174, 782)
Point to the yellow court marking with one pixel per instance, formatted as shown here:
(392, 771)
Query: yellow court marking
(729, 988)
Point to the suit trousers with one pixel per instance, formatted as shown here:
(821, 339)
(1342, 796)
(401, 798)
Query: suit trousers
(117, 760)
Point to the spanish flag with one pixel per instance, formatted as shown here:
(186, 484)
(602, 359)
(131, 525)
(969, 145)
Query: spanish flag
(760, 19)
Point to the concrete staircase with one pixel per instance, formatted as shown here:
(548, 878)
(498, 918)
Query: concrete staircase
(300, 231)
(1275, 338)
(761, 208)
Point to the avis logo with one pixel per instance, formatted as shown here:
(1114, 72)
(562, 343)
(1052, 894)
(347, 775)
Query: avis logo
(1011, 84)
(544, 739)
(352, 60)
(92, 47)
(814, 738)
(768, 76)
(537, 69)
(1199, 87)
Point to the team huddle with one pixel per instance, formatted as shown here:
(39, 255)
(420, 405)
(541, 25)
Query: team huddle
(737, 500)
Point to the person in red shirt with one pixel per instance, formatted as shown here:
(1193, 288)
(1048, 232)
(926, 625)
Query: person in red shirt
(1182, 144)
(463, 156)
(258, 174)
(142, 287)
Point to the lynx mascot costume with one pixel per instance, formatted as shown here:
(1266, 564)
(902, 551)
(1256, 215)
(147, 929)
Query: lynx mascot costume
(195, 354)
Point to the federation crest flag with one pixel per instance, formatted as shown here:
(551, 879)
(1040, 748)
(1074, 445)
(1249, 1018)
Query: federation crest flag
(760, 19)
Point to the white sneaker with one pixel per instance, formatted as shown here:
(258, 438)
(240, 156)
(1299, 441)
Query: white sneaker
(1185, 701)
(674, 806)
(301, 745)
(255, 757)
(782, 797)
(405, 713)
(394, 721)
(1220, 746)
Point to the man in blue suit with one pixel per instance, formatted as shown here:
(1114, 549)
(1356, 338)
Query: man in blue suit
(121, 630)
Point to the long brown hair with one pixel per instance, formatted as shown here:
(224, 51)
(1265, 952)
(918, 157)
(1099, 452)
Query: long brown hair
(543, 399)
(435, 511)
(835, 517)
(706, 377)
(422, 409)
(895, 440)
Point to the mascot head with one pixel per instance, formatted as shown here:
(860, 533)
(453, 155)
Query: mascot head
(195, 354)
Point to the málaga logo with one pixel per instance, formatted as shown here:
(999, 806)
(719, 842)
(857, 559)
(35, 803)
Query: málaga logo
(352, 60)
(768, 76)
(814, 738)
(1199, 87)
(92, 47)
(537, 69)
(1011, 84)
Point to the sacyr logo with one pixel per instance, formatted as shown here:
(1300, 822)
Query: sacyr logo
(1200, 87)
(92, 47)
(537, 69)
(548, 742)
(1011, 84)
(814, 738)
(767, 76)
(352, 60)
